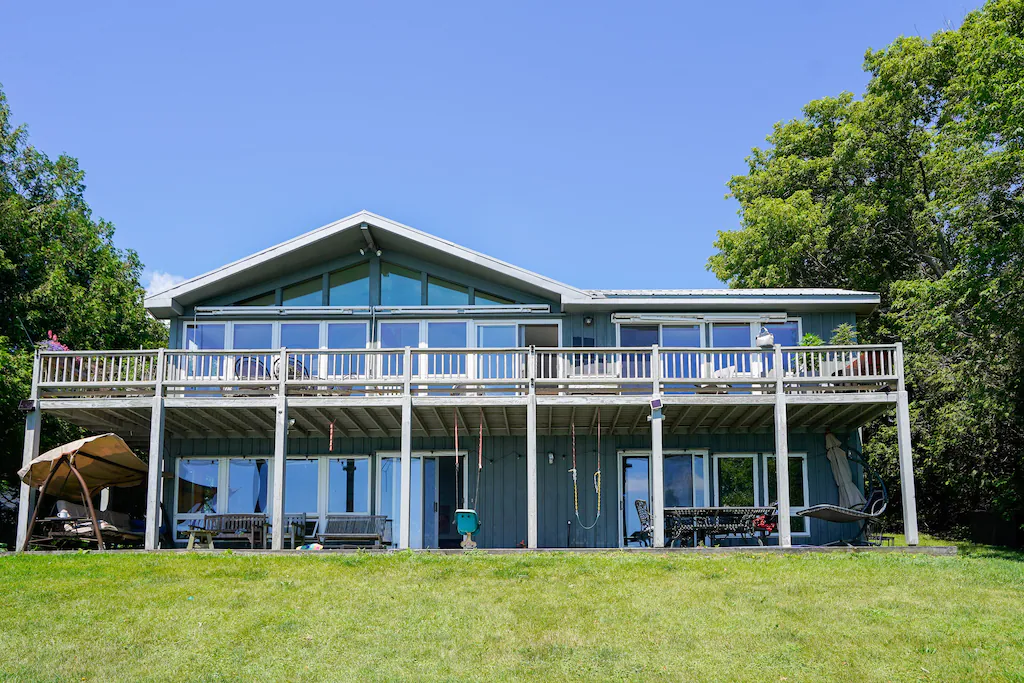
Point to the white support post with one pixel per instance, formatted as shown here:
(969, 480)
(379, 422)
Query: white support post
(105, 499)
(280, 454)
(405, 504)
(531, 451)
(782, 452)
(657, 456)
(33, 428)
(156, 459)
(905, 453)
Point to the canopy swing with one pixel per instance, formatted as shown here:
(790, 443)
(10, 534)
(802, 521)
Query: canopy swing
(82, 467)
(466, 519)
(597, 477)
(853, 506)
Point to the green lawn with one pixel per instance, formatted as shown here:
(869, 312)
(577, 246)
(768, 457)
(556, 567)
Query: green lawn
(546, 616)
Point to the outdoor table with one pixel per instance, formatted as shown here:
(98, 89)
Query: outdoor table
(683, 522)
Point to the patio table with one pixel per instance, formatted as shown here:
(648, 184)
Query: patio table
(685, 522)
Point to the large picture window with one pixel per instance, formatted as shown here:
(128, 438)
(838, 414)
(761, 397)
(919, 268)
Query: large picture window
(350, 287)
(749, 479)
(400, 286)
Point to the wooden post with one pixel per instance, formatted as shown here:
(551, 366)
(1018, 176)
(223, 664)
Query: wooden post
(782, 452)
(905, 453)
(33, 428)
(657, 456)
(280, 454)
(405, 504)
(156, 458)
(531, 450)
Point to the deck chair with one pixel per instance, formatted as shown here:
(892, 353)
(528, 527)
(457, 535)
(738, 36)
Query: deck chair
(867, 515)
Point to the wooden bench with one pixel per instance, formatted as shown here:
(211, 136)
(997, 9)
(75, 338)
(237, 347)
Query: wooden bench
(354, 530)
(231, 526)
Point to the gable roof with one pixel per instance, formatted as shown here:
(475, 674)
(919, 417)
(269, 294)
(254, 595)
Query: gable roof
(342, 237)
(346, 236)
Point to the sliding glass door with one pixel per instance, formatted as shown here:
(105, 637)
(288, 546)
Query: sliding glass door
(423, 509)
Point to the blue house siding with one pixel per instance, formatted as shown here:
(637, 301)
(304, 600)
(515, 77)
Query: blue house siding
(824, 324)
(502, 503)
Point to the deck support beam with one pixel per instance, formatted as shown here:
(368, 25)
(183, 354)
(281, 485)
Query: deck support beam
(657, 456)
(781, 453)
(405, 505)
(531, 454)
(905, 455)
(280, 455)
(33, 428)
(155, 480)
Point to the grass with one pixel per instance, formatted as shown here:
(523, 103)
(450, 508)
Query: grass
(620, 616)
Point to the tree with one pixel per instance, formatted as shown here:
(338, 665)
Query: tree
(59, 272)
(915, 190)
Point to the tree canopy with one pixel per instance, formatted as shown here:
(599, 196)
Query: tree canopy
(915, 190)
(59, 272)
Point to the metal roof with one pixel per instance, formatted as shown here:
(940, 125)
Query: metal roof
(346, 236)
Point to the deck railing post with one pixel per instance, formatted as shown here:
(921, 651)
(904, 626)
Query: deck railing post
(781, 452)
(33, 428)
(906, 457)
(657, 455)
(156, 457)
(280, 453)
(531, 450)
(405, 504)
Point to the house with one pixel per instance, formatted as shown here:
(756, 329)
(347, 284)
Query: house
(370, 368)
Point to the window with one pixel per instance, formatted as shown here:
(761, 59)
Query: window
(268, 299)
(350, 287)
(797, 489)
(484, 299)
(302, 336)
(684, 480)
(740, 483)
(248, 485)
(735, 477)
(786, 334)
(301, 486)
(638, 335)
(441, 293)
(198, 484)
(398, 336)
(204, 336)
(308, 293)
(253, 336)
(447, 335)
(346, 336)
(400, 286)
(349, 485)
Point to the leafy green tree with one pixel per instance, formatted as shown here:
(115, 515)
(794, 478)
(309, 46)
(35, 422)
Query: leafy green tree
(915, 190)
(59, 272)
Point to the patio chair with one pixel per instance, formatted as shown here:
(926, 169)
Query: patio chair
(643, 512)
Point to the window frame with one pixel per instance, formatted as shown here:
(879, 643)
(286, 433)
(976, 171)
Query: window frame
(706, 323)
(323, 483)
(761, 482)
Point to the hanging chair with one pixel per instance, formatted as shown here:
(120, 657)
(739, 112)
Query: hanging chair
(866, 514)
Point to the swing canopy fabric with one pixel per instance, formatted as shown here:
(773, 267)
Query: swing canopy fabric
(849, 493)
(102, 461)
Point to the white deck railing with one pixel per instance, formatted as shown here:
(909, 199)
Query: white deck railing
(469, 372)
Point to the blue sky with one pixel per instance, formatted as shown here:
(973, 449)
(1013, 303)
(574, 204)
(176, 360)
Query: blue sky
(590, 142)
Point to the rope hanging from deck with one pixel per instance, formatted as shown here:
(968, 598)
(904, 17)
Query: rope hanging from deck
(455, 415)
(597, 476)
(479, 460)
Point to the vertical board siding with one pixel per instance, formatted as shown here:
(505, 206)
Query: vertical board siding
(824, 324)
(602, 329)
(501, 501)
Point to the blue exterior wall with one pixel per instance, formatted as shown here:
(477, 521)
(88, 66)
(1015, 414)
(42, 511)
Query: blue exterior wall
(501, 502)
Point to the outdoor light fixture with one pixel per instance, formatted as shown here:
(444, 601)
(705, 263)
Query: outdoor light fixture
(764, 339)
(588, 320)
(551, 458)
